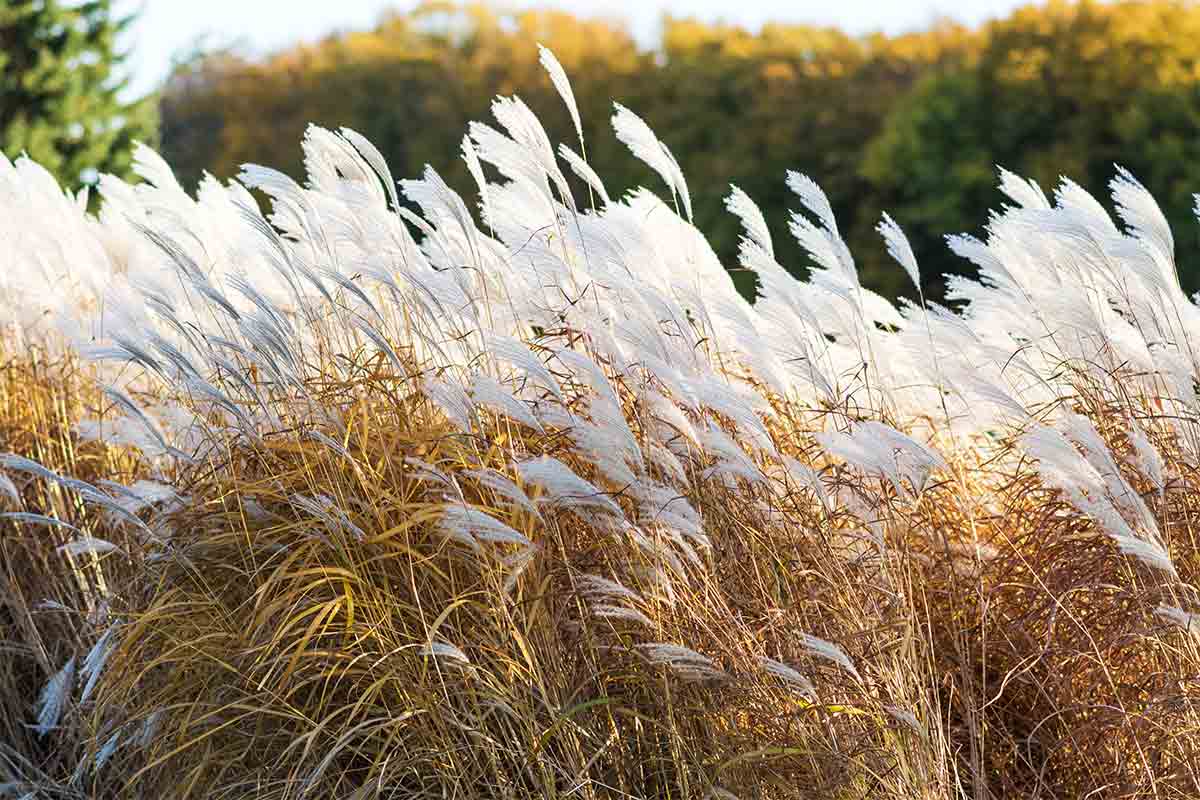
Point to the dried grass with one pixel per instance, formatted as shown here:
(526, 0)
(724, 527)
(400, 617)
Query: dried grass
(428, 535)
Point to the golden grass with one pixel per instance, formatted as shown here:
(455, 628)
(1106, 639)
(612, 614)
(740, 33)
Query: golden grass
(1003, 647)
(51, 605)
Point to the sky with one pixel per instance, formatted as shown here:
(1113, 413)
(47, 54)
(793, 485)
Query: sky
(167, 27)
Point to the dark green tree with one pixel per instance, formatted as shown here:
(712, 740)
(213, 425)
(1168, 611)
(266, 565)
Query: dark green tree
(1069, 89)
(62, 91)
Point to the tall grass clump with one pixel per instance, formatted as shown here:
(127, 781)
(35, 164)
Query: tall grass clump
(386, 494)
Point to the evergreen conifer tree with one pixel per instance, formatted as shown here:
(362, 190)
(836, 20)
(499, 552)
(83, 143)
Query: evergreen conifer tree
(62, 91)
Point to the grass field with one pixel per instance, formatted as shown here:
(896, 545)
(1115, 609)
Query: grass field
(391, 493)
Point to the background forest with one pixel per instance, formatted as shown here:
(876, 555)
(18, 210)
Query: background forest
(914, 124)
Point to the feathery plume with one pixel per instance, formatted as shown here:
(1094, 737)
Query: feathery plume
(558, 76)
(53, 699)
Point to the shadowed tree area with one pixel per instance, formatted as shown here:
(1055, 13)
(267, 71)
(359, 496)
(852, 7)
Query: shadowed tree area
(1066, 90)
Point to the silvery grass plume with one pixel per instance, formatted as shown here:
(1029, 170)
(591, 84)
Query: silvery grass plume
(446, 652)
(1064, 467)
(471, 526)
(830, 651)
(505, 488)
(684, 662)
(610, 599)
(53, 699)
(1176, 616)
(790, 676)
(97, 657)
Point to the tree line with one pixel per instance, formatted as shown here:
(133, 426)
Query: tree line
(913, 124)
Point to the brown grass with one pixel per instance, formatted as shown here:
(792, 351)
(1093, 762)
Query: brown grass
(263, 652)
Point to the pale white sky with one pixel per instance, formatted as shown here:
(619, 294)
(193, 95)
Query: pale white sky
(167, 26)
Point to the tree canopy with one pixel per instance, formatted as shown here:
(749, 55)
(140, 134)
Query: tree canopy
(914, 124)
(61, 89)
(1068, 89)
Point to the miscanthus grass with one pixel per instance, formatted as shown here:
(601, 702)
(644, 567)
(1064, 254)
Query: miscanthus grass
(387, 492)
